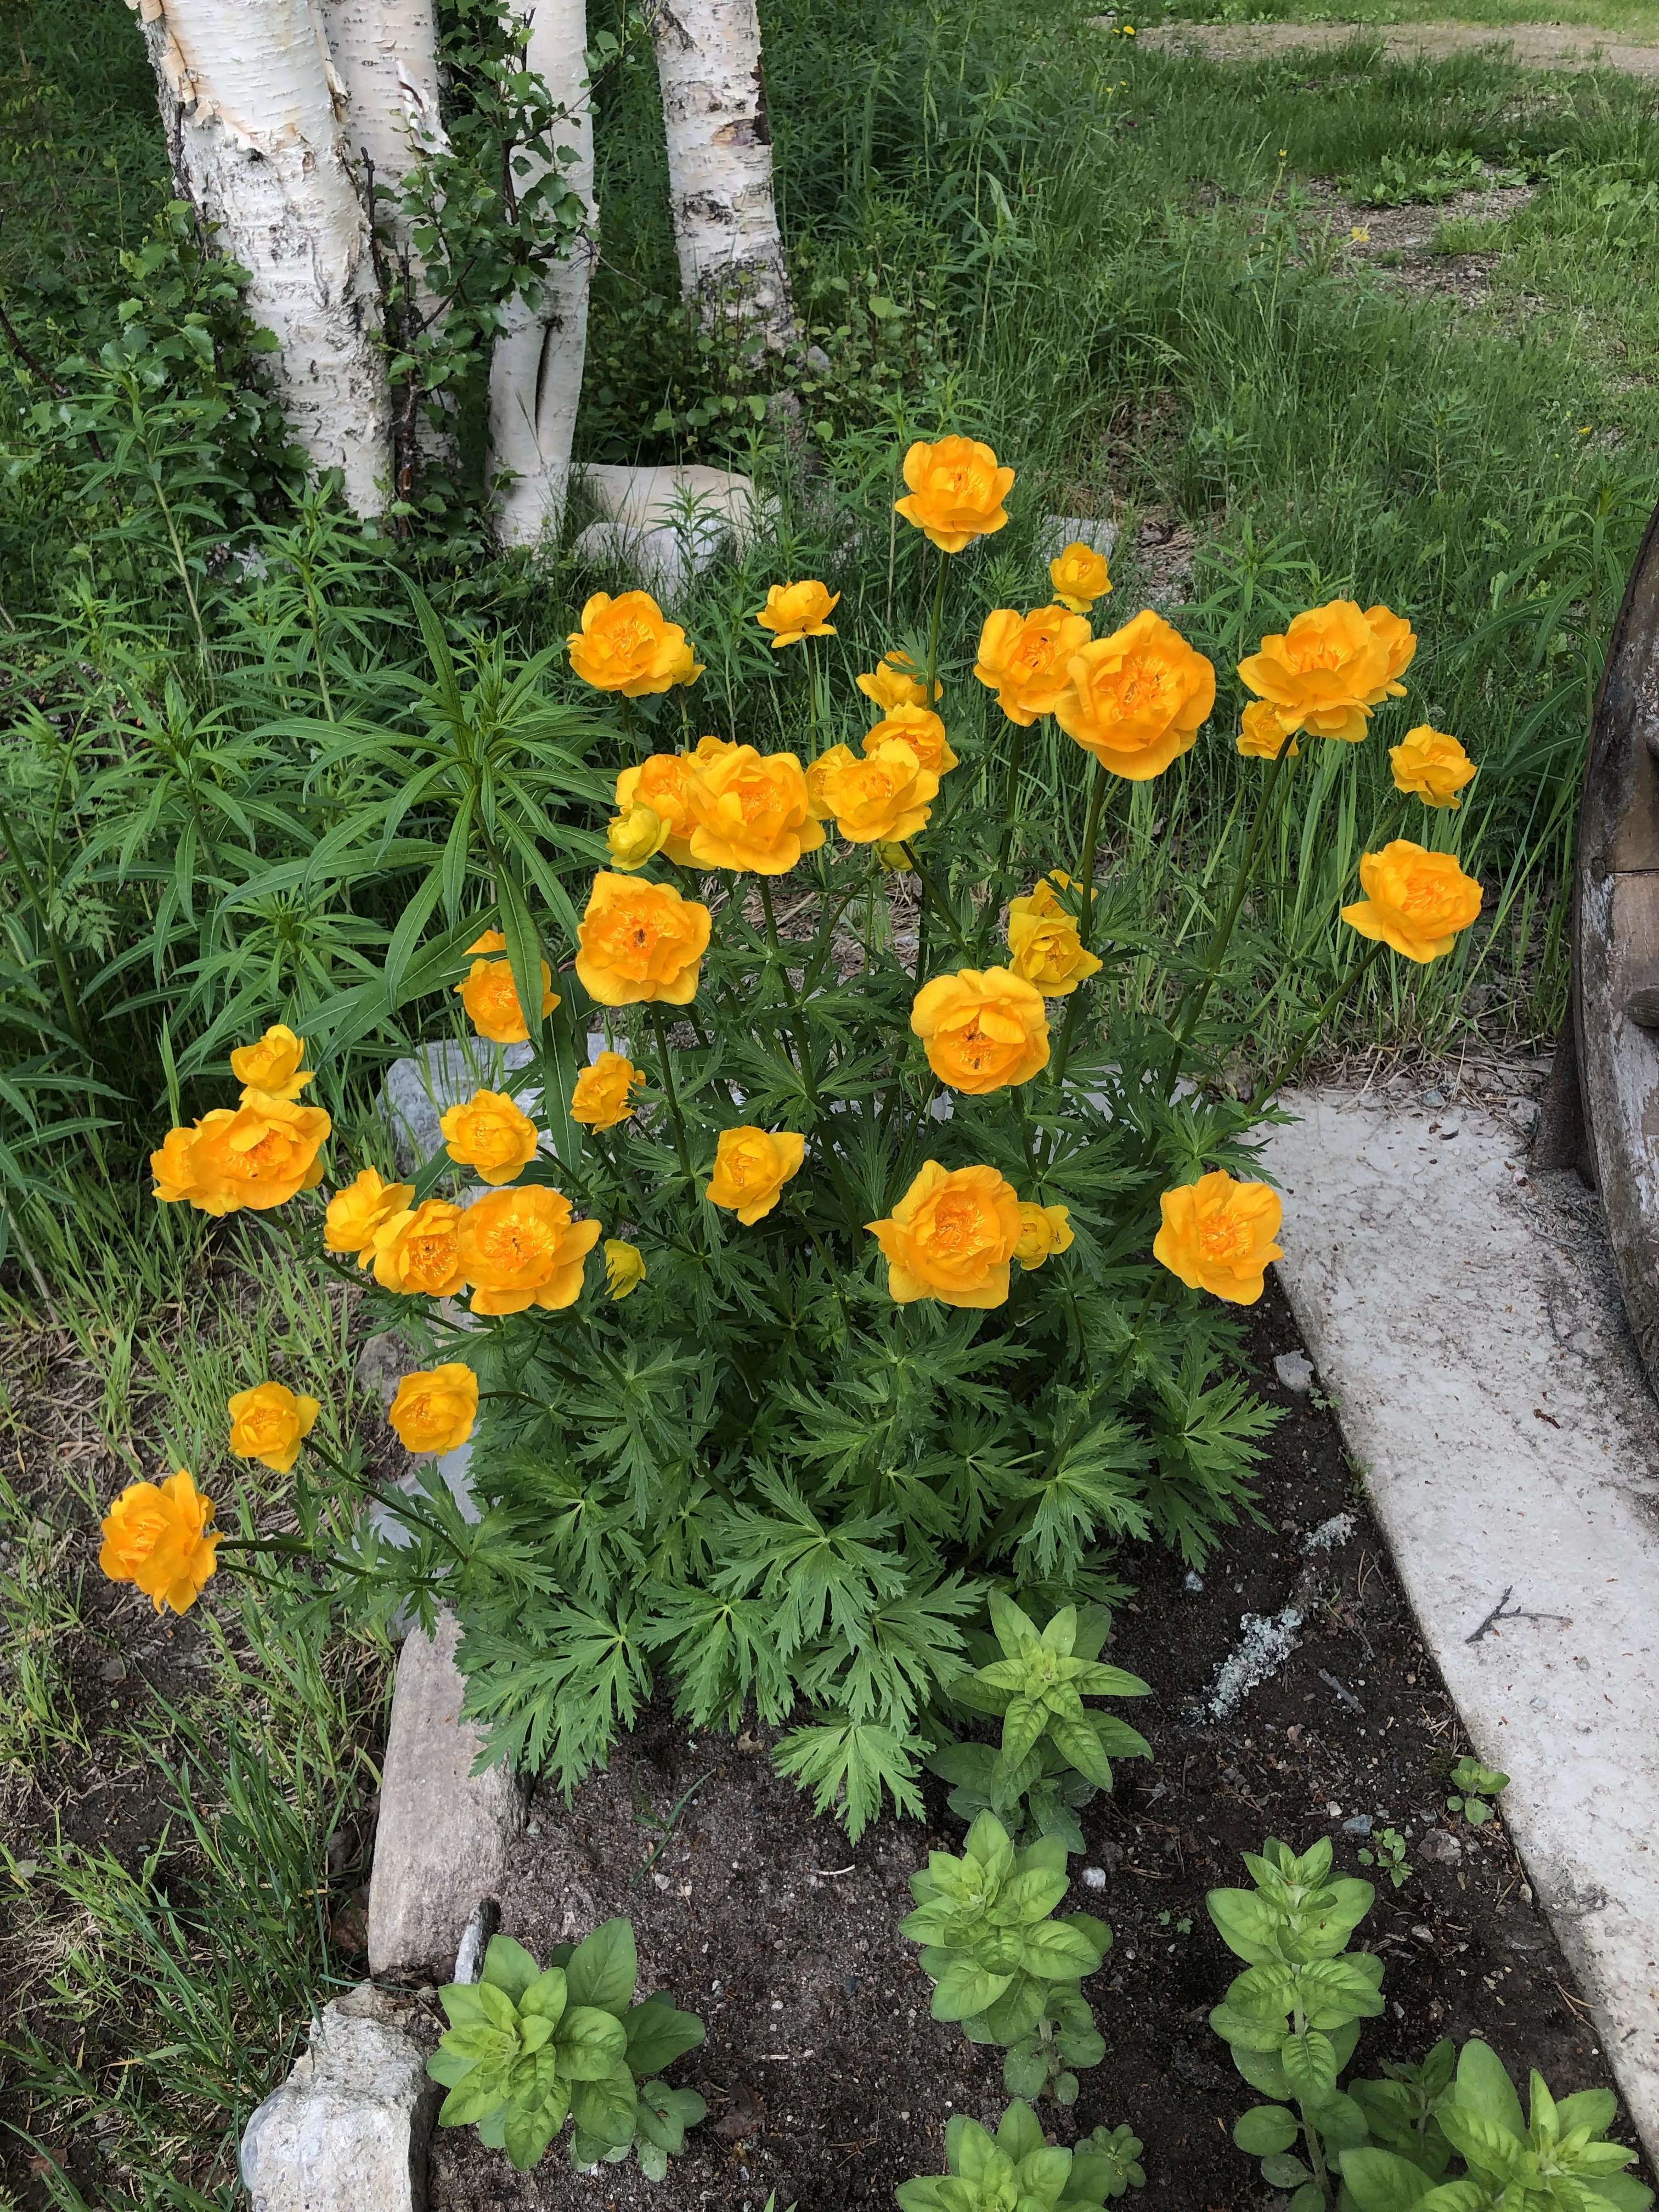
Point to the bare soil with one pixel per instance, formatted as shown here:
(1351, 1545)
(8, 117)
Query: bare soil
(825, 2078)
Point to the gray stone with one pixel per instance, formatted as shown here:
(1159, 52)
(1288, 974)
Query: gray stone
(1295, 1370)
(1060, 531)
(350, 2126)
(418, 1090)
(443, 1834)
(664, 525)
(1360, 1825)
(1439, 1848)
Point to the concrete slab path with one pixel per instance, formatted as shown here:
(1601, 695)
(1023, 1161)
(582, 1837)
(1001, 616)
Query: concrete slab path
(1462, 1312)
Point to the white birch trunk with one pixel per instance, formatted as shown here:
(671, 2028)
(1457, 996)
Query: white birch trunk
(535, 366)
(720, 163)
(248, 96)
(386, 53)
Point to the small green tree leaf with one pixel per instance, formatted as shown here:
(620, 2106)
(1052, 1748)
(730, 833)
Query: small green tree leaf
(1264, 2129)
(606, 2107)
(1284, 2171)
(507, 1967)
(965, 1987)
(603, 1968)
(657, 2034)
(1309, 2064)
(590, 2044)
(1379, 2182)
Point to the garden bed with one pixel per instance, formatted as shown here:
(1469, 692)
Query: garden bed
(825, 2078)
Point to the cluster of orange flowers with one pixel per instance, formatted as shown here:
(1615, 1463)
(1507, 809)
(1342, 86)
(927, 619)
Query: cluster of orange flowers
(1133, 699)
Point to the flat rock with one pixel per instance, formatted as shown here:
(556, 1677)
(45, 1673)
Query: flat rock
(1463, 1311)
(441, 1841)
(1295, 1370)
(350, 2129)
(1060, 531)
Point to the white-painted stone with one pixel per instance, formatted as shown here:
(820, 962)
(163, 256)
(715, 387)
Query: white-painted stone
(441, 1841)
(1463, 1313)
(664, 525)
(350, 2127)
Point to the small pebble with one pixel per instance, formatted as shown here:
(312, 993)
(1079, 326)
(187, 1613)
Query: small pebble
(1334, 1811)
(115, 1670)
(1434, 1098)
(1360, 1825)
(1094, 1877)
(1437, 1848)
(1294, 1369)
(1194, 1582)
(1424, 1935)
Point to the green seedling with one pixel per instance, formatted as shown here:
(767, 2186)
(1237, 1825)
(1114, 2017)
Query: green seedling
(1014, 2168)
(989, 1943)
(1388, 1855)
(1473, 1784)
(528, 2048)
(1046, 2061)
(1054, 1753)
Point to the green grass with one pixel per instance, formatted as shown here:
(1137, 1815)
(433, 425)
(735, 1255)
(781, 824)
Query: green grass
(160, 1961)
(1630, 21)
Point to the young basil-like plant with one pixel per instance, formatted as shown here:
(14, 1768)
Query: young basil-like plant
(989, 1941)
(1016, 2168)
(1054, 1752)
(1292, 2017)
(1557, 2159)
(1064, 2040)
(528, 2047)
(1471, 1784)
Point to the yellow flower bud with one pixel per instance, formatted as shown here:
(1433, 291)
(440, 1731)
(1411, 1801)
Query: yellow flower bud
(636, 837)
(624, 1266)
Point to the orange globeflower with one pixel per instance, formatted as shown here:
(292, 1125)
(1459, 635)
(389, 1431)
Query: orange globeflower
(158, 1538)
(355, 1212)
(1415, 900)
(1138, 698)
(920, 729)
(175, 1178)
(662, 783)
(1433, 765)
(601, 1096)
(1263, 734)
(436, 1408)
(751, 1166)
(640, 942)
(1045, 946)
(1043, 1229)
(627, 645)
(751, 812)
(258, 1156)
(1078, 575)
(1327, 671)
(951, 1237)
(981, 1031)
(273, 1065)
(798, 610)
(1026, 659)
(1218, 1235)
(521, 1248)
(895, 683)
(956, 490)
(686, 667)
(268, 1423)
(881, 799)
(418, 1251)
(491, 997)
(491, 1133)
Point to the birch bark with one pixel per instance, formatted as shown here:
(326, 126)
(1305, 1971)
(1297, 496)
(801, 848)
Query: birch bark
(720, 163)
(536, 365)
(248, 97)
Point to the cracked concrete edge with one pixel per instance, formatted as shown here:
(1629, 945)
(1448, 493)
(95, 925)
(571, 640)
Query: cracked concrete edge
(1462, 1312)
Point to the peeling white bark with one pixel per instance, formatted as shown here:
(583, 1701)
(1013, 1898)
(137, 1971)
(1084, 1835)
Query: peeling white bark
(249, 98)
(719, 163)
(386, 53)
(536, 367)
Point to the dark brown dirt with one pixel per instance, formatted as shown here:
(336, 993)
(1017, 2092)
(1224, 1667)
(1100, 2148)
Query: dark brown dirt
(825, 2078)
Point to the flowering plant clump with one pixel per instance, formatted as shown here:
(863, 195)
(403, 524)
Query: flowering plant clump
(854, 1249)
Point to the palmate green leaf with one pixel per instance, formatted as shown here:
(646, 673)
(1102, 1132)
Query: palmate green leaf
(852, 1763)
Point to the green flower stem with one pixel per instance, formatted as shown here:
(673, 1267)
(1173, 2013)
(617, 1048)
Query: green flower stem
(936, 622)
(1274, 789)
(661, 1028)
(1005, 849)
(403, 1505)
(1315, 1022)
(936, 900)
(1086, 918)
